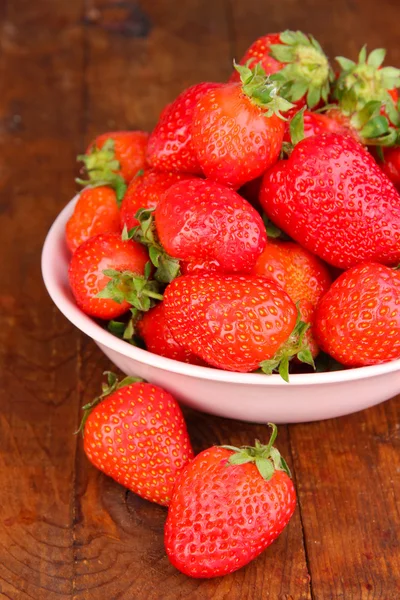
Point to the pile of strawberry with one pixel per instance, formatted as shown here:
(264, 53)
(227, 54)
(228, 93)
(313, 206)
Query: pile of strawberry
(258, 223)
(225, 506)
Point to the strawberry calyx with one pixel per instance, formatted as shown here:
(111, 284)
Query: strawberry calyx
(262, 90)
(167, 267)
(266, 457)
(126, 330)
(138, 290)
(296, 345)
(306, 73)
(103, 168)
(109, 387)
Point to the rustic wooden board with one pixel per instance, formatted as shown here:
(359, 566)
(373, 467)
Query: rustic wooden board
(69, 70)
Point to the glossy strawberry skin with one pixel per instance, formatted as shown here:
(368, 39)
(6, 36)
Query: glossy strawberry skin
(153, 329)
(332, 121)
(130, 150)
(258, 52)
(232, 322)
(101, 252)
(201, 220)
(223, 516)
(234, 141)
(333, 199)
(391, 165)
(144, 191)
(170, 144)
(95, 212)
(301, 274)
(358, 320)
(138, 436)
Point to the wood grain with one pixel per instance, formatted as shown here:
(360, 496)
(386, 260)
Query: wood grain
(70, 70)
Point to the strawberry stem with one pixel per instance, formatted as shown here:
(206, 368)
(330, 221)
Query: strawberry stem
(109, 387)
(266, 458)
(138, 290)
(103, 168)
(296, 345)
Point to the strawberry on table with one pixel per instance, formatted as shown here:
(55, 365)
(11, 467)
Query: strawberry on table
(298, 59)
(108, 275)
(301, 274)
(170, 144)
(236, 322)
(135, 433)
(357, 322)
(237, 128)
(200, 220)
(229, 504)
(95, 212)
(154, 330)
(333, 199)
(144, 191)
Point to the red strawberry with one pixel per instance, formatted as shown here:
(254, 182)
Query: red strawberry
(237, 129)
(170, 145)
(235, 322)
(300, 61)
(107, 276)
(391, 165)
(144, 191)
(332, 121)
(199, 220)
(301, 274)
(158, 338)
(358, 320)
(229, 504)
(333, 199)
(136, 434)
(95, 212)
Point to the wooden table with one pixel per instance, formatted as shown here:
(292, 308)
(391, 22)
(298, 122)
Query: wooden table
(69, 70)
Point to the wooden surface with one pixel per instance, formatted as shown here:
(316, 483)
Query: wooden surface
(70, 69)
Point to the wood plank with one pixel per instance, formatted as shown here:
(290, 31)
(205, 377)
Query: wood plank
(118, 536)
(40, 111)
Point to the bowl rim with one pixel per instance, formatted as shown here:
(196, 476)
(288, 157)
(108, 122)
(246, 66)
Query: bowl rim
(87, 325)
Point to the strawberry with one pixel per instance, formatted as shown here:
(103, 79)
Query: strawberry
(144, 191)
(199, 220)
(108, 275)
(391, 165)
(333, 199)
(135, 433)
(95, 212)
(313, 123)
(228, 505)
(170, 145)
(358, 320)
(237, 128)
(235, 322)
(299, 62)
(114, 158)
(301, 274)
(158, 338)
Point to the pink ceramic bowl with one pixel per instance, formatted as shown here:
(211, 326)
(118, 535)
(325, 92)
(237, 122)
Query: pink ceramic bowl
(246, 396)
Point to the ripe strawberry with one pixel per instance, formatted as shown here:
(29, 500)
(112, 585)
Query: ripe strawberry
(301, 274)
(391, 165)
(237, 129)
(358, 320)
(200, 220)
(158, 338)
(235, 322)
(332, 121)
(229, 504)
(114, 158)
(107, 276)
(170, 145)
(135, 433)
(144, 191)
(299, 60)
(95, 212)
(333, 199)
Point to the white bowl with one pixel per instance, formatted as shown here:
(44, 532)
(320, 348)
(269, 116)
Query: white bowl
(246, 396)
